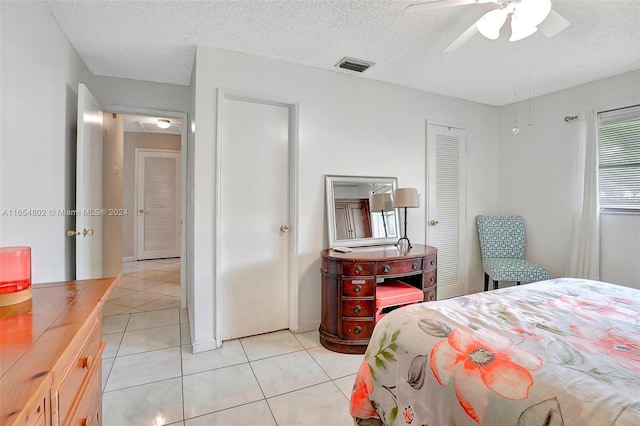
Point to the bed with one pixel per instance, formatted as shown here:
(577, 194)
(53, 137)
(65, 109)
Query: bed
(556, 352)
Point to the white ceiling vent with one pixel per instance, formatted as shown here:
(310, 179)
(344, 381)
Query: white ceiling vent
(357, 65)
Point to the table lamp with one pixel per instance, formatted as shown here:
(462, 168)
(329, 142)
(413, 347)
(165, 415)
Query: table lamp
(405, 198)
(381, 202)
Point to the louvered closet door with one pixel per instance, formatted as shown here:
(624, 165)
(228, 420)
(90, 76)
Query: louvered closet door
(446, 207)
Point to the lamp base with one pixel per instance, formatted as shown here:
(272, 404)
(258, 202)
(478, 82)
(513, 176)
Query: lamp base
(404, 238)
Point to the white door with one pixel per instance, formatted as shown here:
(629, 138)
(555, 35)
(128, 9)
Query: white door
(88, 187)
(254, 206)
(158, 203)
(447, 205)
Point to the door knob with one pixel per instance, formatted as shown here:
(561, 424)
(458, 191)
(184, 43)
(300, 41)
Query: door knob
(284, 229)
(433, 222)
(141, 210)
(84, 232)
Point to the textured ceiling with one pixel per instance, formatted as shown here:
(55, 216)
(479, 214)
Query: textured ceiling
(155, 41)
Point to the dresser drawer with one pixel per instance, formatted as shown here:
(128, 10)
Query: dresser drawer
(358, 288)
(37, 414)
(81, 367)
(358, 329)
(430, 262)
(358, 308)
(358, 269)
(399, 267)
(431, 294)
(89, 410)
(430, 278)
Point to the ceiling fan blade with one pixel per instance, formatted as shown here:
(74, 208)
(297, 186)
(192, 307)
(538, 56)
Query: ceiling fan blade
(491, 22)
(464, 37)
(554, 24)
(438, 4)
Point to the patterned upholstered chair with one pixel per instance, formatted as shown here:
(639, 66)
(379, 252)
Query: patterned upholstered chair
(502, 249)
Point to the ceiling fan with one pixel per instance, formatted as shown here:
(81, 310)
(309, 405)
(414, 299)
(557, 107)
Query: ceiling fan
(527, 17)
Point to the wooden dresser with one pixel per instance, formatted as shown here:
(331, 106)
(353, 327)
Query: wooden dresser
(51, 355)
(349, 283)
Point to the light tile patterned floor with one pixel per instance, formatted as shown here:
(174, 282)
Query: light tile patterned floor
(150, 376)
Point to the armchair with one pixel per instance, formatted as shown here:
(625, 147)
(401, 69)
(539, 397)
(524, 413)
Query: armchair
(502, 240)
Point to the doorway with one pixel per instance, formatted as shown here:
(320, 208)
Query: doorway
(142, 131)
(256, 228)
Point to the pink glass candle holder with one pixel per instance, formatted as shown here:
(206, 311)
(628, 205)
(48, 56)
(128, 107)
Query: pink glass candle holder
(15, 275)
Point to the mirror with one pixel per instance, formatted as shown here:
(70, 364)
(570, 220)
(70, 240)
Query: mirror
(359, 210)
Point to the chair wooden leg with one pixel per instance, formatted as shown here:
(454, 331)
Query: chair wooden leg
(495, 284)
(486, 282)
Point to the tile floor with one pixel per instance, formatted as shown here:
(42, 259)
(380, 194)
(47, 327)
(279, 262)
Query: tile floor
(150, 377)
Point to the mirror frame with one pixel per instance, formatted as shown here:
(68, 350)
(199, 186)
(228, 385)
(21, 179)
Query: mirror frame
(330, 180)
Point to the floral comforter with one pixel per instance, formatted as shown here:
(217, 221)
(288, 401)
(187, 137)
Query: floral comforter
(556, 352)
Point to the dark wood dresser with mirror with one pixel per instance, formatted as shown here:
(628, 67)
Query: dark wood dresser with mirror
(349, 283)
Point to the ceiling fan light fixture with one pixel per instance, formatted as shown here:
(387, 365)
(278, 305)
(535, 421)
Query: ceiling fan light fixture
(520, 31)
(489, 25)
(163, 123)
(532, 12)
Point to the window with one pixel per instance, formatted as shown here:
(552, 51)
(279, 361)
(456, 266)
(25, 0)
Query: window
(619, 160)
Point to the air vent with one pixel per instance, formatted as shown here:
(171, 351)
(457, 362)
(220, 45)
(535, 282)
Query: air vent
(356, 65)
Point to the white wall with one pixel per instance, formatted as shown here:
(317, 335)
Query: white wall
(347, 126)
(40, 74)
(39, 83)
(537, 172)
(114, 91)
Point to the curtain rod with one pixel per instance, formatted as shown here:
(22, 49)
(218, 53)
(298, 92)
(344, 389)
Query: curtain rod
(570, 118)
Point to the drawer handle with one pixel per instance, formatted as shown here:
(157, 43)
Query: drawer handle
(357, 309)
(358, 269)
(432, 262)
(415, 266)
(84, 422)
(386, 268)
(86, 362)
(357, 289)
(431, 278)
(357, 329)
(432, 296)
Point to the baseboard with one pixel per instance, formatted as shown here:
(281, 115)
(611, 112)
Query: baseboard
(129, 259)
(207, 345)
(306, 326)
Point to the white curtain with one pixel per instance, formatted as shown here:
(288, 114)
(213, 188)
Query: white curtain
(584, 261)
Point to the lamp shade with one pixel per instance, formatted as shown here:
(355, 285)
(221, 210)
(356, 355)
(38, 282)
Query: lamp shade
(406, 197)
(380, 202)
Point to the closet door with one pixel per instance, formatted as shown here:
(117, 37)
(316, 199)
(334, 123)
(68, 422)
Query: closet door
(158, 203)
(254, 203)
(447, 206)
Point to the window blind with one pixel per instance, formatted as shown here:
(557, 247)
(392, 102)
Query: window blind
(619, 160)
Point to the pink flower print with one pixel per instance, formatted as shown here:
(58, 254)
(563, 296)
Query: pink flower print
(479, 361)
(622, 347)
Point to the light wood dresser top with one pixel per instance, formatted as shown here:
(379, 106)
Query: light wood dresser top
(37, 334)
